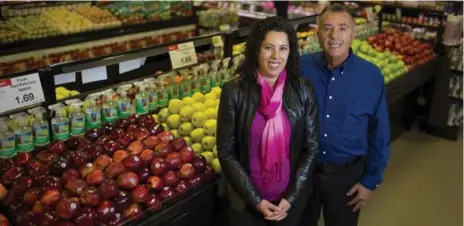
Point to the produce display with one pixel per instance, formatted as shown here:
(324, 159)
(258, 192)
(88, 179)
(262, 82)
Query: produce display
(108, 176)
(455, 58)
(422, 19)
(455, 115)
(215, 20)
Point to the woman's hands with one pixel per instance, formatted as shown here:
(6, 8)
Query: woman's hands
(272, 212)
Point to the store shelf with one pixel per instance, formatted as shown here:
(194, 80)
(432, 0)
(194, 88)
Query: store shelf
(456, 72)
(56, 41)
(414, 25)
(411, 9)
(455, 98)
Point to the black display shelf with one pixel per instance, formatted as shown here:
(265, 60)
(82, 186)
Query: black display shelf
(455, 98)
(436, 28)
(456, 72)
(63, 40)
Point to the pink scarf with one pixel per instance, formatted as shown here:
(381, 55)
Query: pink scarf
(273, 145)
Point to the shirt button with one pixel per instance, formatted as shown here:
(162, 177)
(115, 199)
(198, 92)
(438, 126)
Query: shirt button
(330, 97)
(328, 116)
(323, 152)
(377, 185)
(325, 134)
(341, 73)
(333, 79)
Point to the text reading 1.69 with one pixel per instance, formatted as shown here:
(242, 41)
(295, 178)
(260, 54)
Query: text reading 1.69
(26, 98)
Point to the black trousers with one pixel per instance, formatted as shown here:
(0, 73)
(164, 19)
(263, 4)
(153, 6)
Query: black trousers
(330, 196)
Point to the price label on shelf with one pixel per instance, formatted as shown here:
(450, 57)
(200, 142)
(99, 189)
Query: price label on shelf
(183, 55)
(217, 41)
(20, 92)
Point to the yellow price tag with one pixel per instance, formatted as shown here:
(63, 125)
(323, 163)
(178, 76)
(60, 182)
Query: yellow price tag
(217, 41)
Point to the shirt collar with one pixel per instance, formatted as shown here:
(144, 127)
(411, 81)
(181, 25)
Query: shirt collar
(345, 65)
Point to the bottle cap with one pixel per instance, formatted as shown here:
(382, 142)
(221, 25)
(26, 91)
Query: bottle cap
(38, 116)
(22, 121)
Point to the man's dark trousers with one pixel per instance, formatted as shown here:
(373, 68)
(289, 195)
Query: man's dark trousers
(331, 185)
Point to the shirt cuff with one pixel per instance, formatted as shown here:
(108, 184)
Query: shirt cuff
(370, 182)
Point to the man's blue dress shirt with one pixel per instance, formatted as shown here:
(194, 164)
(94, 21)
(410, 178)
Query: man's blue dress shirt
(353, 115)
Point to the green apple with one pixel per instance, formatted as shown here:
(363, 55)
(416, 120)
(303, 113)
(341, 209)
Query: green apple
(155, 116)
(185, 128)
(163, 114)
(217, 102)
(211, 113)
(198, 97)
(199, 106)
(210, 127)
(216, 166)
(188, 101)
(208, 142)
(216, 91)
(166, 127)
(175, 105)
(173, 121)
(186, 113)
(210, 96)
(197, 135)
(188, 140)
(209, 103)
(208, 156)
(215, 151)
(198, 119)
(197, 148)
(176, 133)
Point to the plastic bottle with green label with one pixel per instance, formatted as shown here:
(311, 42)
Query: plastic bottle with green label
(205, 79)
(226, 74)
(60, 124)
(77, 120)
(196, 82)
(7, 141)
(173, 86)
(92, 115)
(40, 131)
(163, 93)
(141, 99)
(23, 136)
(110, 109)
(124, 104)
(214, 75)
(185, 89)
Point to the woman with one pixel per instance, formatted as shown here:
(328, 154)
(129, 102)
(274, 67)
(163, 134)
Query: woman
(267, 133)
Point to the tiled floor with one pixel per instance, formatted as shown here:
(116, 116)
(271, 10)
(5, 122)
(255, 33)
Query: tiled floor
(423, 185)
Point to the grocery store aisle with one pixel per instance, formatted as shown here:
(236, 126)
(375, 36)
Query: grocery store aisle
(422, 185)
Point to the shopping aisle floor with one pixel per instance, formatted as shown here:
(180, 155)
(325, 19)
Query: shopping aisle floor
(422, 185)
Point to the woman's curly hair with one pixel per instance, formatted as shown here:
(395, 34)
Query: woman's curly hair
(256, 36)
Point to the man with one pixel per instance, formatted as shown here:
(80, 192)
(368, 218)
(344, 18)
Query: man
(353, 120)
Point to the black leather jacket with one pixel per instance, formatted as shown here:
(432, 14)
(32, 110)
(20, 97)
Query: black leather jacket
(238, 105)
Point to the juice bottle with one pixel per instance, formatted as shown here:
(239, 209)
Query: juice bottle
(173, 86)
(205, 79)
(141, 99)
(163, 92)
(92, 115)
(196, 83)
(7, 141)
(40, 130)
(60, 124)
(124, 104)
(109, 109)
(225, 72)
(152, 94)
(186, 84)
(77, 120)
(214, 75)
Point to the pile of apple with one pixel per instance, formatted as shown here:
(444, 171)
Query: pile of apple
(391, 66)
(411, 51)
(110, 176)
(194, 119)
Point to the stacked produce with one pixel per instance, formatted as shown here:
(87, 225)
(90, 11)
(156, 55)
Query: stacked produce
(194, 119)
(66, 21)
(101, 18)
(109, 176)
(34, 27)
(62, 93)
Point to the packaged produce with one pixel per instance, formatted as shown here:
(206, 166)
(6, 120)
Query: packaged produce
(186, 84)
(109, 108)
(77, 119)
(60, 123)
(7, 141)
(141, 99)
(40, 129)
(92, 113)
(124, 104)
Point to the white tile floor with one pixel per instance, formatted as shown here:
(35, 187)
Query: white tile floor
(423, 185)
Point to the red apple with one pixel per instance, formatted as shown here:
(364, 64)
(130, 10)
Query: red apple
(107, 128)
(93, 151)
(105, 211)
(108, 189)
(196, 180)
(158, 168)
(132, 128)
(134, 212)
(92, 134)
(4, 221)
(170, 178)
(126, 140)
(166, 137)
(147, 156)
(31, 196)
(209, 174)
(56, 146)
(186, 171)
(156, 129)
(144, 174)
(46, 158)
(116, 134)
(48, 218)
(50, 197)
(187, 154)
(153, 203)
(22, 158)
(140, 194)
(119, 155)
(102, 161)
(6, 164)
(174, 161)
(178, 143)
(183, 187)
(21, 185)
(133, 163)
(75, 187)
(3, 192)
(135, 148)
(155, 183)
(141, 133)
(111, 147)
(168, 193)
(163, 150)
(95, 177)
(78, 158)
(70, 174)
(122, 200)
(151, 141)
(59, 165)
(66, 208)
(72, 143)
(128, 180)
(102, 140)
(51, 182)
(114, 170)
(86, 216)
(200, 164)
(87, 169)
(89, 197)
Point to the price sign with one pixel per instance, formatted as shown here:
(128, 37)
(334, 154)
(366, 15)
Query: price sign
(217, 41)
(20, 92)
(182, 55)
